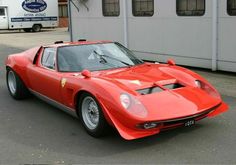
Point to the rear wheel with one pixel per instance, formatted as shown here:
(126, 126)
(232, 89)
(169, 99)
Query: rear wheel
(36, 28)
(16, 86)
(91, 116)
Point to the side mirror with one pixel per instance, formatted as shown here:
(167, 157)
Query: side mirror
(171, 62)
(86, 74)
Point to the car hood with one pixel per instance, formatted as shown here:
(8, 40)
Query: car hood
(165, 103)
(178, 103)
(146, 75)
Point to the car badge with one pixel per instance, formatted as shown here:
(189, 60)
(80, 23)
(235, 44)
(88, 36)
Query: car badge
(63, 82)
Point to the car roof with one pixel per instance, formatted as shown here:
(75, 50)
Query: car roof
(62, 44)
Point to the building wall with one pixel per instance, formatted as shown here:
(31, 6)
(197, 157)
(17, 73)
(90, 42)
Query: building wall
(63, 13)
(165, 35)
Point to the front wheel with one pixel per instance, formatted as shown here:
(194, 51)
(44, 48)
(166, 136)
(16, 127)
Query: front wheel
(91, 116)
(15, 85)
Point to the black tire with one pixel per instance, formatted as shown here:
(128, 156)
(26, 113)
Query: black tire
(27, 30)
(102, 127)
(20, 91)
(36, 28)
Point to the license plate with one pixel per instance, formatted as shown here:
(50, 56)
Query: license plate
(189, 123)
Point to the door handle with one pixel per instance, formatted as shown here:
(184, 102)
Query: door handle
(4, 17)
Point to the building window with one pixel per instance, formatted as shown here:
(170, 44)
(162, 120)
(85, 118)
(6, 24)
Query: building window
(143, 7)
(63, 11)
(2, 12)
(190, 7)
(111, 8)
(231, 7)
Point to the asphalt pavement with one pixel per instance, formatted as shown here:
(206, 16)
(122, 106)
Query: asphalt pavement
(32, 131)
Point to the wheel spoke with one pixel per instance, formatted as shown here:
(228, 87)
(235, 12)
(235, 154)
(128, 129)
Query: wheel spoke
(11, 82)
(90, 112)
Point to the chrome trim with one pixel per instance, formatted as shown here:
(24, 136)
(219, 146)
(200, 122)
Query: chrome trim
(54, 103)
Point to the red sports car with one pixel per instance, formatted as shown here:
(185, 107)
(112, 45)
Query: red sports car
(104, 84)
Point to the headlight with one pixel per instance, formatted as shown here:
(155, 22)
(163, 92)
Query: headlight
(125, 100)
(133, 106)
(207, 88)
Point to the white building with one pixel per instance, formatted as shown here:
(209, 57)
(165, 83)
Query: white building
(199, 33)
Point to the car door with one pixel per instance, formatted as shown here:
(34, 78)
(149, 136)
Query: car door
(3, 18)
(43, 76)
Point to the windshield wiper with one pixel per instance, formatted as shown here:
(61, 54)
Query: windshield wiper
(113, 58)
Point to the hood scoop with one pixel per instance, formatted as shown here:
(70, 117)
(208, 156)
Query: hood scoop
(159, 88)
(173, 86)
(150, 90)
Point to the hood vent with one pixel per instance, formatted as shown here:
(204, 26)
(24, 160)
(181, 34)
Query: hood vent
(150, 90)
(156, 89)
(173, 86)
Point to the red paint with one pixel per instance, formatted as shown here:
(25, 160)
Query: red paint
(108, 85)
(86, 73)
(171, 62)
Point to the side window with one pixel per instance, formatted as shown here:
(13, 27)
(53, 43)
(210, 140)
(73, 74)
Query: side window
(2, 12)
(190, 7)
(143, 8)
(111, 8)
(231, 7)
(48, 58)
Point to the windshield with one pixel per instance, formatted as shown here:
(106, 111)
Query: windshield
(95, 57)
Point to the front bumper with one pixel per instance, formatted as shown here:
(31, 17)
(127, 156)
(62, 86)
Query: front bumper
(135, 133)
